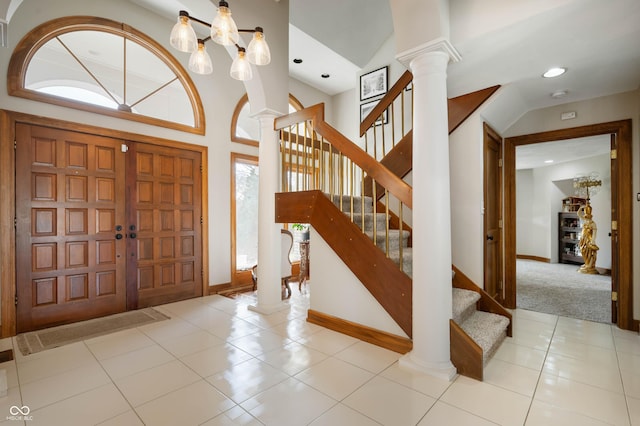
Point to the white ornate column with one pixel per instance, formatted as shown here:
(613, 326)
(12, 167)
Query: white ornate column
(432, 288)
(269, 241)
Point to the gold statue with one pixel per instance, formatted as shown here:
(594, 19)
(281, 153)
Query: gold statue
(587, 244)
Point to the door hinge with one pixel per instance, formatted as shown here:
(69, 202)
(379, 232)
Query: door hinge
(499, 162)
(500, 223)
(15, 145)
(614, 225)
(614, 296)
(15, 222)
(201, 220)
(16, 300)
(614, 154)
(201, 169)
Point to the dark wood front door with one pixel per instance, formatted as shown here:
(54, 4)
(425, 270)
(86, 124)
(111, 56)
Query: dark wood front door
(493, 213)
(164, 225)
(100, 231)
(70, 265)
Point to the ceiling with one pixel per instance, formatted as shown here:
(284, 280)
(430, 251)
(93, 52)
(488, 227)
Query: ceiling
(501, 42)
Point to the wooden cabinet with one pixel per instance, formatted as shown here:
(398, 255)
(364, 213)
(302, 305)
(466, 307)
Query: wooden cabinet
(568, 237)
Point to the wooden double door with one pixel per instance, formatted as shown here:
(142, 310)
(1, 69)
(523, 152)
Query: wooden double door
(102, 226)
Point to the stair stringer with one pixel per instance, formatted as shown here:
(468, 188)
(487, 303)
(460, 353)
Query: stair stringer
(466, 354)
(391, 287)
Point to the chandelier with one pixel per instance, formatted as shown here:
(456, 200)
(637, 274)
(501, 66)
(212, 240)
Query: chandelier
(587, 186)
(225, 32)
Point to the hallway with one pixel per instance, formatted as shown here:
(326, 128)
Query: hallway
(217, 363)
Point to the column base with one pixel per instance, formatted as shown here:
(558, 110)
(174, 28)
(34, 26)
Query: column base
(445, 372)
(263, 308)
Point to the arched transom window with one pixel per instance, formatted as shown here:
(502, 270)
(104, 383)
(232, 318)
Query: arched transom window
(103, 66)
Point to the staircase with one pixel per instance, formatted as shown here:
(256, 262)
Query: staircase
(483, 331)
(324, 174)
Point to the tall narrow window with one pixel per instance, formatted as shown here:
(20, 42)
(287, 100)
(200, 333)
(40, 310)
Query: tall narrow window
(244, 219)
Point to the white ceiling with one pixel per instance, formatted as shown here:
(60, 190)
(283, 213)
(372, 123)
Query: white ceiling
(535, 155)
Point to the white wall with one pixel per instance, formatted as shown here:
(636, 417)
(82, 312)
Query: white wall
(335, 289)
(601, 110)
(541, 199)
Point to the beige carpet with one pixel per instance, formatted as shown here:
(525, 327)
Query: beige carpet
(559, 289)
(40, 340)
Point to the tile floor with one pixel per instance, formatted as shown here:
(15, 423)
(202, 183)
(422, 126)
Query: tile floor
(218, 363)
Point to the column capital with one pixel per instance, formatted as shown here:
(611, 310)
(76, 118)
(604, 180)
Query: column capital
(438, 45)
(266, 113)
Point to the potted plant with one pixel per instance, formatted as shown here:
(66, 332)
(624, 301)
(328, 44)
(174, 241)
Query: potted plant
(303, 229)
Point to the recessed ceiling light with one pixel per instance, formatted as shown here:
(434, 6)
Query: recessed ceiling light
(559, 94)
(548, 161)
(297, 61)
(325, 75)
(554, 72)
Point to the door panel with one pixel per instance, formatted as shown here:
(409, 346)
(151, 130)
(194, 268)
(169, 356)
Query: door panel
(164, 260)
(492, 214)
(69, 198)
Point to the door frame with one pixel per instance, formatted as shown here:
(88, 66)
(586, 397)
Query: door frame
(8, 121)
(622, 205)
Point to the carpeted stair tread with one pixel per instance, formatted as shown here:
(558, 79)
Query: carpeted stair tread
(357, 203)
(381, 220)
(487, 330)
(407, 259)
(464, 304)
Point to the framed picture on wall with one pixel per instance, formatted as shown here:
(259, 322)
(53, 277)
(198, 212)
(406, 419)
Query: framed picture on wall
(367, 107)
(374, 83)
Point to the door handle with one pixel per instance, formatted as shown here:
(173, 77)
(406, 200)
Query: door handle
(132, 235)
(118, 236)
(489, 237)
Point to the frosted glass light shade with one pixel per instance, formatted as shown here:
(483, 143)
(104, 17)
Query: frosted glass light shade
(241, 68)
(200, 61)
(258, 51)
(224, 30)
(183, 37)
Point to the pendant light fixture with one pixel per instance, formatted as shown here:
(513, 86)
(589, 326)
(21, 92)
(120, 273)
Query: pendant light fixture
(224, 31)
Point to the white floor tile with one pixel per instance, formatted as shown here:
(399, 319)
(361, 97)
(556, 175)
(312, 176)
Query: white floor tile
(155, 382)
(40, 393)
(91, 407)
(119, 343)
(296, 329)
(191, 405)
(628, 346)
(236, 416)
(631, 382)
(634, 410)
(191, 343)
(292, 358)
(488, 401)
(215, 359)
(242, 381)
(535, 316)
(234, 328)
(328, 341)
(13, 398)
(130, 418)
(511, 377)
(342, 415)
(370, 357)
(581, 398)
(290, 403)
(521, 355)
(258, 343)
(530, 339)
(445, 414)
(389, 403)
(592, 372)
(136, 361)
(334, 377)
(166, 330)
(424, 383)
(545, 414)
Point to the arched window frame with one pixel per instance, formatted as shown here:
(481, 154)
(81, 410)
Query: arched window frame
(39, 36)
(244, 100)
